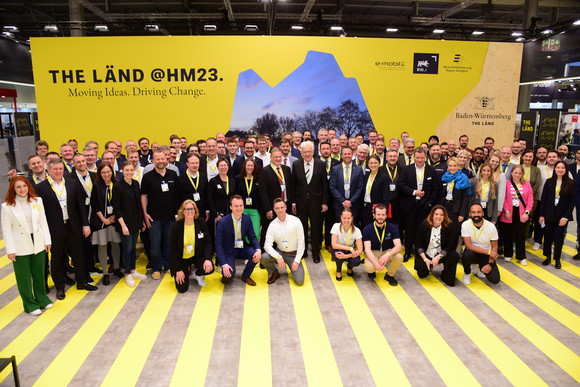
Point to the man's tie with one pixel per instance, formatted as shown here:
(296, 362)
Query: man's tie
(308, 177)
(281, 181)
(346, 192)
(409, 159)
(285, 161)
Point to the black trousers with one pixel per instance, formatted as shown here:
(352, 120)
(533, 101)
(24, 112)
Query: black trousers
(198, 263)
(554, 234)
(72, 242)
(314, 214)
(449, 267)
(89, 251)
(538, 230)
(470, 257)
(413, 219)
(328, 220)
(514, 230)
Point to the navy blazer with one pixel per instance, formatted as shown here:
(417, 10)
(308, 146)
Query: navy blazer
(239, 163)
(408, 183)
(336, 185)
(565, 205)
(225, 237)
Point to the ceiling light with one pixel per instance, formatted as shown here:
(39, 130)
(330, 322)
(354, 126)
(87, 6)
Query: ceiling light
(7, 34)
(101, 28)
(251, 28)
(210, 27)
(438, 31)
(546, 32)
(151, 27)
(51, 28)
(11, 28)
(516, 33)
(297, 28)
(577, 22)
(477, 33)
(549, 57)
(336, 28)
(520, 39)
(392, 29)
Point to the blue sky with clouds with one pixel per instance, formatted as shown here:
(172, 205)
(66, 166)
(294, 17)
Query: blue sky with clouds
(316, 84)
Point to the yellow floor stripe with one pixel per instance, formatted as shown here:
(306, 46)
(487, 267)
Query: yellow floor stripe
(133, 356)
(193, 361)
(555, 310)
(566, 266)
(319, 361)
(40, 328)
(553, 280)
(550, 346)
(507, 362)
(4, 261)
(7, 282)
(10, 312)
(255, 346)
(64, 367)
(2, 243)
(381, 360)
(571, 238)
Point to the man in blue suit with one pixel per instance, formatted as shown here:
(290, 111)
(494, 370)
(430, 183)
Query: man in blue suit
(235, 238)
(346, 185)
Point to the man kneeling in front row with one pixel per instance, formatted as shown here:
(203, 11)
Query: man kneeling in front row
(288, 234)
(382, 245)
(480, 238)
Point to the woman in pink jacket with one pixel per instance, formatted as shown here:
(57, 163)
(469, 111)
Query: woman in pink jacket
(518, 203)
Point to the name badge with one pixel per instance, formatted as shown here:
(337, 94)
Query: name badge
(164, 187)
(556, 201)
(420, 186)
(393, 187)
(189, 248)
(284, 244)
(219, 186)
(346, 186)
(196, 197)
(327, 177)
(200, 235)
(239, 244)
(109, 210)
(483, 204)
(283, 187)
(516, 202)
(87, 201)
(449, 196)
(248, 201)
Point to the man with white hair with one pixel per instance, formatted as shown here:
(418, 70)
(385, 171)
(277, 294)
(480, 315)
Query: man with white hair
(362, 153)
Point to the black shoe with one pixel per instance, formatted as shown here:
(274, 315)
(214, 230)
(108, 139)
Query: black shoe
(576, 257)
(406, 257)
(546, 261)
(118, 273)
(372, 275)
(69, 281)
(316, 257)
(47, 288)
(262, 266)
(60, 294)
(106, 280)
(392, 281)
(500, 251)
(338, 278)
(305, 255)
(86, 287)
(95, 270)
(558, 265)
(349, 272)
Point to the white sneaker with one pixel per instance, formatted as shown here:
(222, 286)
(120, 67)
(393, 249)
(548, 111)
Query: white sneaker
(524, 262)
(138, 275)
(507, 259)
(479, 274)
(36, 312)
(536, 246)
(199, 278)
(466, 279)
(130, 281)
(48, 306)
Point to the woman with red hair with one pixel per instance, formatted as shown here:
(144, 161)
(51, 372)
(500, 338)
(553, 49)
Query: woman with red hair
(27, 240)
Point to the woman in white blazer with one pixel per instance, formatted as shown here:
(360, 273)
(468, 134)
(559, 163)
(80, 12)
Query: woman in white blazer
(27, 240)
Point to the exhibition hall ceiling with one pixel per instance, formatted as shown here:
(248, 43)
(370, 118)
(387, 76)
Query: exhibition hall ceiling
(495, 20)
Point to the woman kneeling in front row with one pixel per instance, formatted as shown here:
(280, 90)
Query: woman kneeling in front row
(190, 245)
(347, 244)
(435, 243)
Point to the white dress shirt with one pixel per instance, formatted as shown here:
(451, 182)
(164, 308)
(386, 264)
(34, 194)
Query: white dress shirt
(264, 157)
(288, 235)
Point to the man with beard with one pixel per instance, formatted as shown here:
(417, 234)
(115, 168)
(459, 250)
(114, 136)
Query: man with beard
(477, 161)
(436, 161)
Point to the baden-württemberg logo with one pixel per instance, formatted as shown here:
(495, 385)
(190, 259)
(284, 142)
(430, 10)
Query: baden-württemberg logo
(484, 103)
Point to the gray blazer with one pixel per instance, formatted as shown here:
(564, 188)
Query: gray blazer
(492, 204)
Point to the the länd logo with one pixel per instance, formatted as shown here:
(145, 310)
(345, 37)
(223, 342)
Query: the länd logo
(392, 65)
(426, 63)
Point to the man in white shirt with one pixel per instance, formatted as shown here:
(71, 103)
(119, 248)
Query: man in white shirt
(516, 152)
(480, 238)
(286, 230)
(212, 158)
(262, 153)
(133, 158)
(91, 158)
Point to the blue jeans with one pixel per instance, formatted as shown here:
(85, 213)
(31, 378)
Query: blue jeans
(160, 233)
(128, 255)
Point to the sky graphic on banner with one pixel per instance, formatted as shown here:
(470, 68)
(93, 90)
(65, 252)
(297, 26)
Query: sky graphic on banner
(318, 83)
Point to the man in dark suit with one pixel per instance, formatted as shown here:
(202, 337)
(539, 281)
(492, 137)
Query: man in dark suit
(417, 191)
(249, 151)
(310, 196)
(328, 219)
(346, 185)
(68, 223)
(407, 158)
(235, 238)
(275, 182)
(36, 166)
(393, 176)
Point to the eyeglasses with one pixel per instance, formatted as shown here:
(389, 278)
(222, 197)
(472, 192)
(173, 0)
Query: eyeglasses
(188, 209)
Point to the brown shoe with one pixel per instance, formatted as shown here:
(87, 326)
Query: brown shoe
(275, 275)
(329, 248)
(225, 280)
(249, 281)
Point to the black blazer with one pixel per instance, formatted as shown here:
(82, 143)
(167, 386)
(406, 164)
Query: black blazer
(379, 190)
(217, 198)
(408, 184)
(127, 205)
(314, 194)
(203, 245)
(239, 163)
(75, 177)
(242, 190)
(77, 214)
(460, 202)
(448, 239)
(403, 159)
(99, 201)
(186, 191)
(396, 177)
(565, 206)
(270, 187)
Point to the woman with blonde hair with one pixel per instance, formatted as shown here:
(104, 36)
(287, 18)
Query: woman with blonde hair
(484, 190)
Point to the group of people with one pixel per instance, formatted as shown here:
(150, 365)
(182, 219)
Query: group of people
(270, 206)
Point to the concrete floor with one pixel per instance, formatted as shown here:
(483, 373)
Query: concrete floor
(525, 330)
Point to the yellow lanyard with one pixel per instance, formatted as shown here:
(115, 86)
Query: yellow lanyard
(382, 237)
(238, 233)
(67, 167)
(558, 188)
(350, 234)
(190, 234)
(59, 195)
(227, 186)
(475, 168)
(371, 181)
(196, 184)
(212, 169)
(335, 157)
(392, 176)
(484, 189)
(420, 178)
(346, 176)
(329, 165)
(280, 175)
(138, 174)
(250, 186)
(476, 235)
(407, 160)
(450, 186)
(527, 173)
(548, 171)
(110, 192)
(504, 171)
(363, 164)
(89, 186)
(36, 181)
